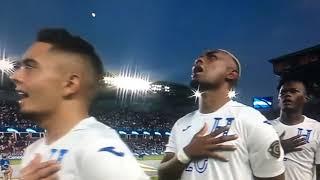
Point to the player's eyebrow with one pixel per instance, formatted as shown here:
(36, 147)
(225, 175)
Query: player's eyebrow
(28, 61)
(290, 89)
(211, 55)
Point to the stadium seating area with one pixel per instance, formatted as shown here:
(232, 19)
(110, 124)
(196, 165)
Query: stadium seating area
(9, 117)
(121, 119)
(124, 119)
(139, 121)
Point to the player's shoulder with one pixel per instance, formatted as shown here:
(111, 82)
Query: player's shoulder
(94, 134)
(35, 145)
(91, 128)
(186, 119)
(274, 122)
(311, 121)
(244, 112)
(251, 119)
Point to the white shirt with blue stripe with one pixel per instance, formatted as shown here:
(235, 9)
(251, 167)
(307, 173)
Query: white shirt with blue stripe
(91, 150)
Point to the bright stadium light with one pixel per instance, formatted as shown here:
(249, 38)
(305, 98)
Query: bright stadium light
(196, 93)
(129, 84)
(232, 94)
(6, 64)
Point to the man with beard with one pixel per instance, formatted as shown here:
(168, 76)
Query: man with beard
(300, 135)
(223, 139)
(57, 79)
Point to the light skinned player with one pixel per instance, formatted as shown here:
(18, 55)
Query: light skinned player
(58, 77)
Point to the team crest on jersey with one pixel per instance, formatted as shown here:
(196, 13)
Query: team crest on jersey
(274, 149)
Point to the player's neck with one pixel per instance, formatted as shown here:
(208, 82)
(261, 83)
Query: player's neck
(212, 100)
(291, 118)
(61, 122)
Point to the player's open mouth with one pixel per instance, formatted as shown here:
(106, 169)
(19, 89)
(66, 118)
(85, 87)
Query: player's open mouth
(22, 95)
(196, 70)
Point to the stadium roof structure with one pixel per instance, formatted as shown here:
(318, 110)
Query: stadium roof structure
(297, 60)
(304, 63)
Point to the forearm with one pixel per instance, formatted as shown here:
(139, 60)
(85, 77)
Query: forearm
(171, 169)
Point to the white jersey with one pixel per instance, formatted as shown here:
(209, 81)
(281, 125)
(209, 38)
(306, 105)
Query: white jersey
(91, 150)
(258, 150)
(301, 164)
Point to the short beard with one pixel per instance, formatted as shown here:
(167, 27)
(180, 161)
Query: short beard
(30, 116)
(203, 86)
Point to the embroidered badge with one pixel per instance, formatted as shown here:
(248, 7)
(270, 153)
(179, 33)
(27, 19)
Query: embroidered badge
(274, 149)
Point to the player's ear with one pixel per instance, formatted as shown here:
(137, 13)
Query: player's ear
(232, 75)
(71, 85)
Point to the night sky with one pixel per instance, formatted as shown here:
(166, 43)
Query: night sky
(163, 37)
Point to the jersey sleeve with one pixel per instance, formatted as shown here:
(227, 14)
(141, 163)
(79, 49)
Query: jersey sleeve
(172, 146)
(265, 152)
(317, 155)
(109, 160)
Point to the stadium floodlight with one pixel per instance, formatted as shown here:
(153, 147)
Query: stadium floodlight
(6, 64)
(129, 83)
(122, 132)
(167, 133)
(31, 130)
(12, 130)
(129, 80)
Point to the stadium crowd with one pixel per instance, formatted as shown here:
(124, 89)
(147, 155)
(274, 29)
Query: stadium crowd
(9, 117)
(123, 119)
(128, 120)
(13, 144)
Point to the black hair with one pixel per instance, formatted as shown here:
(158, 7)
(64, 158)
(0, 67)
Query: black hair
(62, 40)
(290, 77)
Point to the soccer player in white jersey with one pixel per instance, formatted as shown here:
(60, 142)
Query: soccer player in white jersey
(300, 135)
(247, 149)
(57, 79)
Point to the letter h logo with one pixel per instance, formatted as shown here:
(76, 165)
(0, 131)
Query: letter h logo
(305, 133)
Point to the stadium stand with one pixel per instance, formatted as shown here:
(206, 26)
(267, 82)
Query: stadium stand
(14, 136)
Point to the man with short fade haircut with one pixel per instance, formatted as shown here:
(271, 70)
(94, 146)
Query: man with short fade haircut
(57, 79)
(223, 139)
(300, 135)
